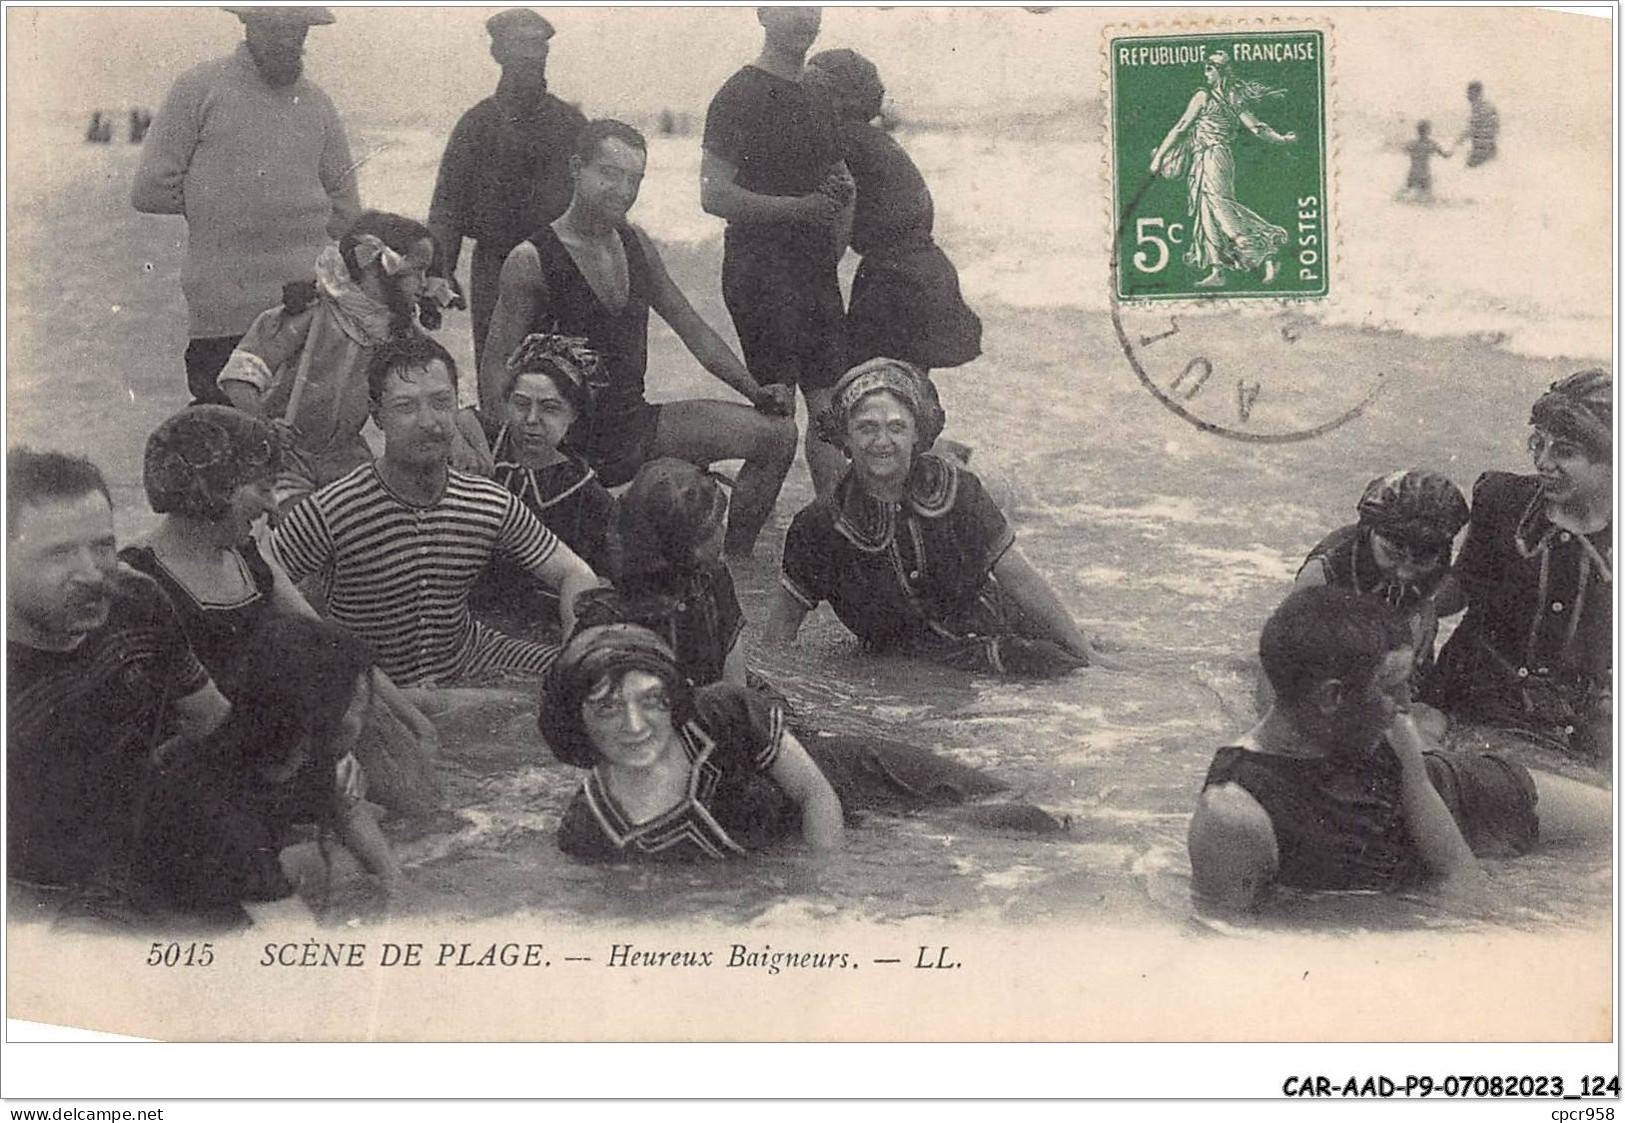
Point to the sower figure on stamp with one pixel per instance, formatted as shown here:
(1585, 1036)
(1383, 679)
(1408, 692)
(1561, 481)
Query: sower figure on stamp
(254, 157)
(1224, 234)
(1337, 789)
(772, 167)
(591, 274)
(506, 168)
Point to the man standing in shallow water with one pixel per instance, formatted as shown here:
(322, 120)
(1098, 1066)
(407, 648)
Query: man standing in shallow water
(506, 168)
(772, 167)
(591, 273)
(253, 155)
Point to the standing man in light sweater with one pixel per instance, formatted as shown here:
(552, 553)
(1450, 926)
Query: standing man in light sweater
(254, 156)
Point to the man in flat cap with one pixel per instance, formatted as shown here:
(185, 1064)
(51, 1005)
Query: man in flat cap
(505, 172)
(254, 157)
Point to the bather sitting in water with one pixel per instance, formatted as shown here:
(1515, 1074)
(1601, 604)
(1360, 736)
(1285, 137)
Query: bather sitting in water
(675, 773)
(1399, 551)
(909, 549)
(215, 828)
(1534, 654)
(546, 390)
(674, 582)
(209, 472)
(1336, 788)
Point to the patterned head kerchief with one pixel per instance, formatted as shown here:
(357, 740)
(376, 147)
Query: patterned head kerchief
(852, 80)
(1580, 408)
(903, 380)
(567, 357)
(592, 655)
(1415, 507)
(198, 458)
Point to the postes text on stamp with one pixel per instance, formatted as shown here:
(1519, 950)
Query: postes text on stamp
(1218, 153)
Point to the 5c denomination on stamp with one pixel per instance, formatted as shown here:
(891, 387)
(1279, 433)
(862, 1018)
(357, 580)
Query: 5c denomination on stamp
(1218, 155)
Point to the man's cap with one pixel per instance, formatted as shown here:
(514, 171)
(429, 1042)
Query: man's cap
(293, 15)
(519, 29)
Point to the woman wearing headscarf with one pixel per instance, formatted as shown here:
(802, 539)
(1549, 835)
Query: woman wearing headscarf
(1535, 651)
(208, 471)
(1398, 550)
(905, 297)
(550, 379)
(910, 551)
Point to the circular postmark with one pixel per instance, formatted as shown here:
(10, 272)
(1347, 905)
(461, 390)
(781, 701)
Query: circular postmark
(1254, 374)
(1219, 151)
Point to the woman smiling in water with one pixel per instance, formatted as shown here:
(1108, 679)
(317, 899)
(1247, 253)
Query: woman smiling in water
(676, 774)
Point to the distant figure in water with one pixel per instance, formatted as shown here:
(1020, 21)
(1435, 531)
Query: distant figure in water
(1337, 789)
(1224, 234)
(1419, 181)
(100, 129)
(905, 297)
(1483, 126)
(140, 122)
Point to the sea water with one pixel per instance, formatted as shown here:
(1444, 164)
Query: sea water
(1171, 543)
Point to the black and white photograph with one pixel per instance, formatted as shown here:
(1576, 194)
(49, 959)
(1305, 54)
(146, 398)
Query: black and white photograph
(705, 524)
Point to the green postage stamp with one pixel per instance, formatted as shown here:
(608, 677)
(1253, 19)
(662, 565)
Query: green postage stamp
(1218, 155)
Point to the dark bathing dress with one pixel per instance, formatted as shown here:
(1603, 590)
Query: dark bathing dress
(918, 577)
(615, 433)
(1340, 824)
(399, 776)
(905, 301)
(571, 502)
(1534, 654)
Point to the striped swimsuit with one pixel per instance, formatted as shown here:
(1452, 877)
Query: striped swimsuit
(400, 573)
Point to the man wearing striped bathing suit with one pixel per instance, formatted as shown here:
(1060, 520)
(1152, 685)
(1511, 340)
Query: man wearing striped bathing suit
(402, 540)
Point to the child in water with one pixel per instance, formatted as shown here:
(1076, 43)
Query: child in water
(215, 828)
(1419, 182)
(303, 364)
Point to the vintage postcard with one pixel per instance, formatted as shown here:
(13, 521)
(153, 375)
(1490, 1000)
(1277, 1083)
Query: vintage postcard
(1217, 304)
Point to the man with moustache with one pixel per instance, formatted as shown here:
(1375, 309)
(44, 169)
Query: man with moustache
(254, 156)
(505, 171)
(98, 673)
(772, 167)
(403, 539)
(592, 274)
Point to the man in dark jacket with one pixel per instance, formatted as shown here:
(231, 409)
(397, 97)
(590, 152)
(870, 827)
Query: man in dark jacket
(505, 172)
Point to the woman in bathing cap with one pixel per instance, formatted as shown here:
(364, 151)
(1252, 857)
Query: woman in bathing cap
(910, 551)
(208, 471)
(1534, 654)
(675, 773)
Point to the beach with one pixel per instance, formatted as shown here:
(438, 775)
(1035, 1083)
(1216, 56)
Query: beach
(1171, 542)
